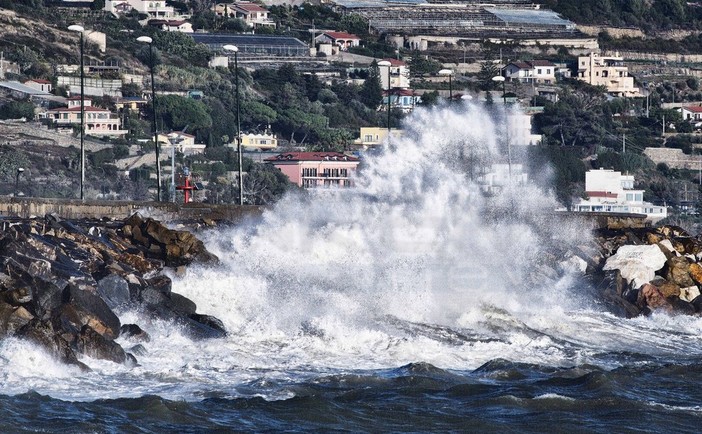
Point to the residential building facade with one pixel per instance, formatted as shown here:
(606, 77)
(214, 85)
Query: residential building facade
(532, 71)
(610, 191)
(399, 75)
(342, 40)
(152, 8)
(316, 169)
(689, 113)
(265, 140)
(39, 84)
(401, 99)
(607, 71)
(180, 142)
(98, 121)
(371, 137)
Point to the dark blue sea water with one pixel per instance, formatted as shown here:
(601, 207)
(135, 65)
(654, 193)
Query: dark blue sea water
(498, 397)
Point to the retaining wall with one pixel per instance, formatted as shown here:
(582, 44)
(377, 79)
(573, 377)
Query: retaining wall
(162, 211)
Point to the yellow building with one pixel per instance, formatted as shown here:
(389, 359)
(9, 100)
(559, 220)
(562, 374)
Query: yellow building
(371, 137)
(259, 140)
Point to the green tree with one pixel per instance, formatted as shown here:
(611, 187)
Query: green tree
(178, 112)
(17, 110)
(371, 92)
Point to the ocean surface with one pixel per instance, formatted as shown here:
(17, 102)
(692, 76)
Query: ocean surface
(411, 303)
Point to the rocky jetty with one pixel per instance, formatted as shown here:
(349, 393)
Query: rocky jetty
(63, 282)
(642, 270)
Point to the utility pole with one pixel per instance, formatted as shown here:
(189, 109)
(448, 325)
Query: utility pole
(664, 125)
(624, 143)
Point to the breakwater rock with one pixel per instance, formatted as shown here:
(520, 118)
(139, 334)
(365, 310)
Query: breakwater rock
(62, 283)
(647, 269)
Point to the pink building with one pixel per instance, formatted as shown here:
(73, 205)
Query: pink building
(316, 169)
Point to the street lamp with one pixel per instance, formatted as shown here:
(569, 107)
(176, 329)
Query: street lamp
(497, 79)
(448, 72)
(387, 64)
(234, 49)
(148, 40)
(20, 170)
(81, 30)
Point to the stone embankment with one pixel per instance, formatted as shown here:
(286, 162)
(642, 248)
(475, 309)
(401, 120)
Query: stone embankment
(63, 283)
(649, 269)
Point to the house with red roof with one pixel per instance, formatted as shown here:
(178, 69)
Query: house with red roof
(39, 84)
(692, 113)
(342, 40)
(613, 192)
(252, 14)
(172, 25)
(316, 169)
(537, 71)
(98, 121)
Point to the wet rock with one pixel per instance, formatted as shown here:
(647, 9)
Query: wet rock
(134, 333)
(139, 350)
(43, 334)
(62, 280)
(695, 271)
(114, 290)
(682, 307)
(12, 319)
(637, 264)
(650, 297)
(94, 312)
(678, 271)
(95, 345)
(668, 289)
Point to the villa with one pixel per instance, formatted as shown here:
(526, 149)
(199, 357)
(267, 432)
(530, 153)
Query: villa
(316, 169)
(610, 191)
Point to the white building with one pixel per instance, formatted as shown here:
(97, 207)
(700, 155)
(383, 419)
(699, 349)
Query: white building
(152, 8)
(607, 71)
(399, 75)
(538, 71)
(610, 191)
(519, 130)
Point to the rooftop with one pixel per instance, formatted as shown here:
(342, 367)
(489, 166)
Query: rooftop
(311, 156)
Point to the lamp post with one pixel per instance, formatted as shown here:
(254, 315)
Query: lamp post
(387, 64)
(81, 30)
(148, 40)
(234, 49)
(449, 73)
(20, 170)
(498, 79)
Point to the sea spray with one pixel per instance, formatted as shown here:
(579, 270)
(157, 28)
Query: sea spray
(415, 240)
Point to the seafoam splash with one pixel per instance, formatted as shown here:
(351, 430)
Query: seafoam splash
(414, 264)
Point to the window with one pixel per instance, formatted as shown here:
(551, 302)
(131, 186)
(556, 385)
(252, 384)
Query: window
(629, 196)
(309, 172)
(368, 137)
(538, 71)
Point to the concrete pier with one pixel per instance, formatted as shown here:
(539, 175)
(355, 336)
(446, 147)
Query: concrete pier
(96, 209)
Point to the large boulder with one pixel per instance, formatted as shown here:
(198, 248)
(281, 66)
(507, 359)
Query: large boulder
(637, 264)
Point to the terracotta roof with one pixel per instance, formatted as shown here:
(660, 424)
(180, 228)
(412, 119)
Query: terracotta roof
(312, 156)
(39, 80)
(540, 62)
(520, 65)
(401, 92)
(693, 108)
(341, 35)
(87, 108)
(250, 7)
(395, 62)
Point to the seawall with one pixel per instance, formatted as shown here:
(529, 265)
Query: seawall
(96, 209)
